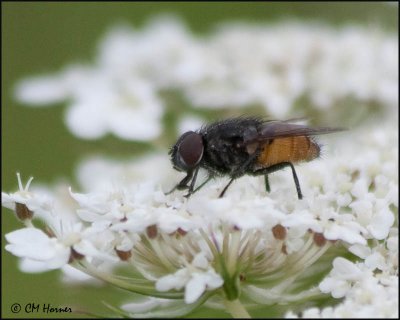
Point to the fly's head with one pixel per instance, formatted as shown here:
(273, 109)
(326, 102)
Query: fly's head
(187, 152)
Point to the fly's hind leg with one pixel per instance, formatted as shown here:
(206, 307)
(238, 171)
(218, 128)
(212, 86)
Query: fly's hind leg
(267, 187)
(277, 167)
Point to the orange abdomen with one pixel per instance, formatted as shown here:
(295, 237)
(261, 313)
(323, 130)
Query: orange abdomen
(291, 149)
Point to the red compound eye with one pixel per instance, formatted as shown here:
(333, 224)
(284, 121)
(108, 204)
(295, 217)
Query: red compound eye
(191, 149)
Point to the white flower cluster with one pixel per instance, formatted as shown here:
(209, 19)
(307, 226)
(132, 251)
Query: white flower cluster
(237, 66)
(247, 246)
(370, 288)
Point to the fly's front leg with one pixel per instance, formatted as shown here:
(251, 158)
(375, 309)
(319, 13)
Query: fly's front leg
(183, 183)
(190, 192)
(199, 187)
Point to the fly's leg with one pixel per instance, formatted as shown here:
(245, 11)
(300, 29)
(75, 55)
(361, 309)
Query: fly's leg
(267, 187)
(198, 188)
(242, 169)
(183, 183)
(191, 187)
(226, 188)
(277, 167)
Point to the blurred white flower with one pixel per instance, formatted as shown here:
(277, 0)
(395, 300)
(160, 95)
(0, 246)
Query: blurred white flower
(127, 108)
(98, 173)
(189, 123)
(235, 66)
(100, 102)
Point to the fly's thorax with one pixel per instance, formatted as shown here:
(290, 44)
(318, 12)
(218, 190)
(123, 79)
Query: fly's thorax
(223, 154)
(288, 149)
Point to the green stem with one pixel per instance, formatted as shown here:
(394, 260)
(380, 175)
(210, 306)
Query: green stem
(137, 287)
(236, 309)
(230, 281)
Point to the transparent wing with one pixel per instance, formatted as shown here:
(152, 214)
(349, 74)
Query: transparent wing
(283, 129)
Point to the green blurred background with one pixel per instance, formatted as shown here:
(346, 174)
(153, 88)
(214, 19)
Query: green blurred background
(42, 37)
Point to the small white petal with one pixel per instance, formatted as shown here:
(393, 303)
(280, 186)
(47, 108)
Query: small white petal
(381, 223)
(30, 243)
(40, 91)
(312, 313)
(327, 285)
(343, 200)
(86, 120)
(36, 245)
(360, 188)
(32, 266)
(337, 288)
(73, 275)
(375, 260)
(360, 250)
(195, 287)
(347, 234)
(200, 261)
(393, 244)
(345, 269)
(363, 209)
(173, 281)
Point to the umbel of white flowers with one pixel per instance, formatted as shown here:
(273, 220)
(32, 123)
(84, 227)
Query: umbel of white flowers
(236, 253)
(176, 249)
